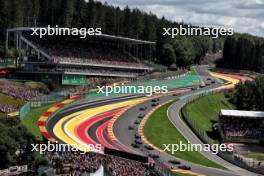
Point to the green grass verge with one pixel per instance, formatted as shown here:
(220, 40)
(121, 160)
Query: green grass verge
(205, 111)
(31, 120)
(159, 130)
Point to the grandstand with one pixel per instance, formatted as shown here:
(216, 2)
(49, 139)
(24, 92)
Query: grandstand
(73, 163)
(56, 58)
(241, 126)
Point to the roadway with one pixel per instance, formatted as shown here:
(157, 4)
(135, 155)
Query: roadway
(125, 136)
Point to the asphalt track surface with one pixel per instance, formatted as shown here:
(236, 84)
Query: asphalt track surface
(126, 137)
(97, 131)
(76, 119)
(173, 114)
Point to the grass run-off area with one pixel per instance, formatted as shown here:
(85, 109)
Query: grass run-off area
(31, 120)
(159, 130)
(205, 111)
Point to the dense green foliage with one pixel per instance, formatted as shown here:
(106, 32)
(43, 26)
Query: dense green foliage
(243, 52)
(15, 145)
(249, 96)
(125, 22)
(187, 49)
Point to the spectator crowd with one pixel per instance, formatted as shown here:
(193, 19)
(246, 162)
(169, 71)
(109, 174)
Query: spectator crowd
(101, 72)
(247, 128)
(18, 92)
(70, 51)
(70, 60)
(123, 167)
(88, 71)
(6, 108)
(74, 163)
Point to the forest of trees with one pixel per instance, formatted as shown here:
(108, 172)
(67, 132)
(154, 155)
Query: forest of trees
(126, 22)
(243, 52)
(14, 138)
(249, 96)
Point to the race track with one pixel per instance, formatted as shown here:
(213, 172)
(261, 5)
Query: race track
(105, 121)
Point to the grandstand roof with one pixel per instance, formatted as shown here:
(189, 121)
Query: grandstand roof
(113, 37)
(245, 114)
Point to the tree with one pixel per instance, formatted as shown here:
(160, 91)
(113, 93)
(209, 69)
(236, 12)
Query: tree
(127, 22)
(137, 24)
(184, 51)
(127, 30)
(8, 148)
(79, 14)
(68, 11)
(15, 137)
(249, 96)
(149, 31)
(243, 51)
(168, 55)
